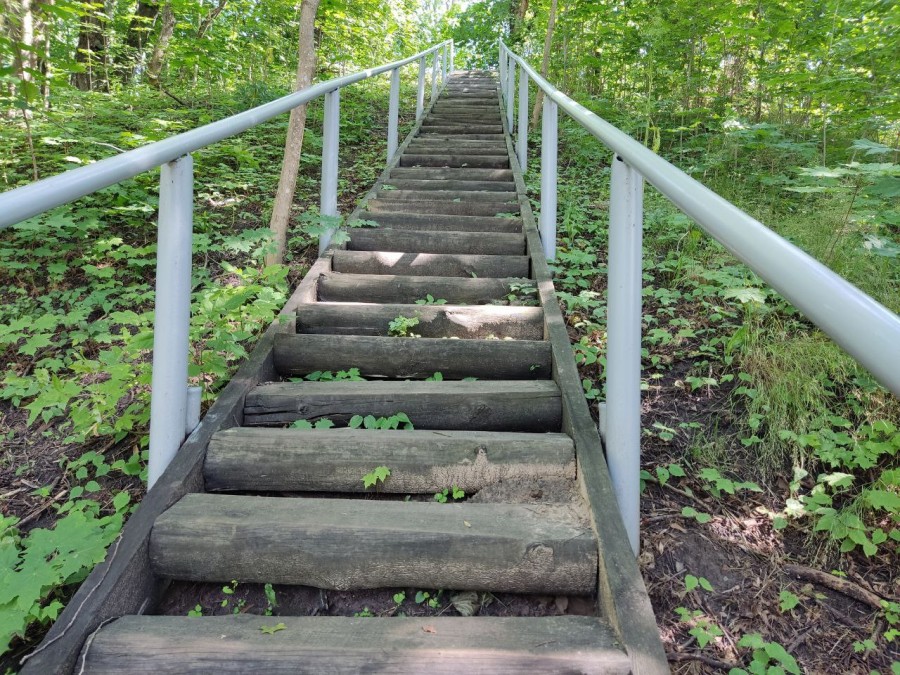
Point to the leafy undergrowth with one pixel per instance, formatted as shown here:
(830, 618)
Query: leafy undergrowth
(76, 313)
(771, 506)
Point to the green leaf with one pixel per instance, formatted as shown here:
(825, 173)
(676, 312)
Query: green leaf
(271, 630)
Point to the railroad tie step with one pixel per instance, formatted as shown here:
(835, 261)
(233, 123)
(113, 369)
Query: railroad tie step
(436, 221)
(485, 243)
(453, 173)
(437, 321)
(451, 186)
(348, 544)
(412, 358)
(484, 405)
(443, 194)
(447, 148)
(476, 161)
(442, 207)
(402, 646)
(454, 290)
(430, 264)
(421, 462)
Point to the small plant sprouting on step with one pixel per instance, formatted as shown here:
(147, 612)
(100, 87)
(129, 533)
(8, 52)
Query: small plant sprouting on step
(429, 299)
(400, 327)
(506, 214)
(397, 421)
(399, 598)
(437, 377)
(271, 630)
(351, 375)
(366, 612)
(197, 611)
(453, 492)
(323, 423)
(426, 598)
(523, 294)
(379, 473)
(271, 602)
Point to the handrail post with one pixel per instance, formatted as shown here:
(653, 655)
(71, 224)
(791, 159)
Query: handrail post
(452, 56)
(445, 53)
(502, 69)
(330, 135)
(434, 82)
(522, 138)
(420, 92)
(172, 315)
(548, 177)
(623, 348)
(510, 96)
(393, 114)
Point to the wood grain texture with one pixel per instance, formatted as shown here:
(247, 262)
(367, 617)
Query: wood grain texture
(486, 243)
(490, 405)
(462, 321)
(447, 195)
(325, 644)
(413, 221)
(334, 460)
(413, 358)
(344, 544)
(430, 264)
(450, 185)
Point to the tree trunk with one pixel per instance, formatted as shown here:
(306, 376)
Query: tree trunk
(91, 52)
(136, 38)
(545, 64)
(154, 68)
(208, 20)
(287, 183)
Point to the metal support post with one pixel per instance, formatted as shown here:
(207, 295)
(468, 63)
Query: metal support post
(393, 114)
(330, 134)
(522, 138)
(445, 52)
(452, 56)
(434, 71)
(623, 349)
(510, 96)
(172, 314)
(548, 177)
(502, 70)
(420, 92)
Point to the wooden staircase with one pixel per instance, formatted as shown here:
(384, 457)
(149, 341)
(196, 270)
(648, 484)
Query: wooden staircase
(252, 499)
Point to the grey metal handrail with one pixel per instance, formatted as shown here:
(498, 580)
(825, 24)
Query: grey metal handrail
(174, 410)
(866, 329)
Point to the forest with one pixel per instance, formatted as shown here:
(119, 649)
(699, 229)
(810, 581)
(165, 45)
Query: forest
(771, 482)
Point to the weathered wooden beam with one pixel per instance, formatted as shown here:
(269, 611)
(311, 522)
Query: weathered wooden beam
(328, 644)
(485, 243)
(335, 460)
(413, 358)
(463, 321)
(489, 405)
(347, 544)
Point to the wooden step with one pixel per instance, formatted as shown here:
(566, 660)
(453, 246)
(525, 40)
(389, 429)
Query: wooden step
(443, 208)
(442, 149)
(485, 129)
(488, 405)
(348, 544)
(451, 185)
(487, 243)
(460, 143)
(444, 134)
(476, 161)
(439, 321)
(412, 358)
(446, 195)
(330, 644)
(446, 173)
(433, 222)
(430, 264)
(421, 462)
(388, 288)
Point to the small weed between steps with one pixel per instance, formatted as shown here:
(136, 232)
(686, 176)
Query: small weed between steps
(401, 326)
(399, 420)
(430, 300)
(379, 473)
(451, 492)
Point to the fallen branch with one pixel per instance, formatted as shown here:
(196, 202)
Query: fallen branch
(844, 586)
(708, 660)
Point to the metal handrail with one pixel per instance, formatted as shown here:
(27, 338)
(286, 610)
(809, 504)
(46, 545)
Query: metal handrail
(174, 410)
(866, 329)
